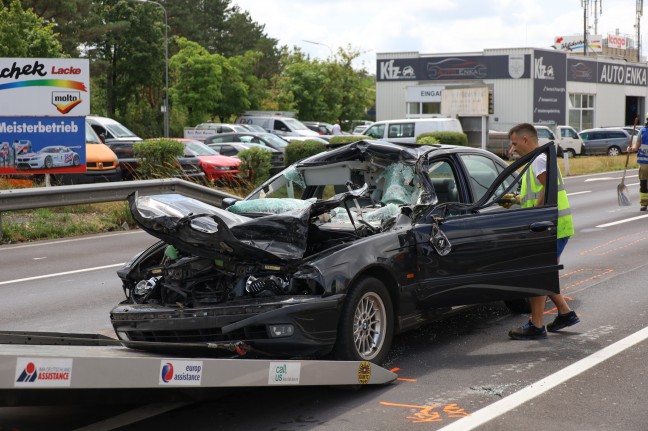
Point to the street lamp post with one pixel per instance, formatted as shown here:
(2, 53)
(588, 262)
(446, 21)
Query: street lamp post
(319, 43)
(166, 67)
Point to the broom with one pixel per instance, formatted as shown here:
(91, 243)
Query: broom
(622, 190)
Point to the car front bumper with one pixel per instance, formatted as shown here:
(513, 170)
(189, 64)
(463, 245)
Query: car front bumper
(313, 321)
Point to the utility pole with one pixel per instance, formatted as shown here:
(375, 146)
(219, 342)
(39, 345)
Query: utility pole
(639, 14)
(585, 4)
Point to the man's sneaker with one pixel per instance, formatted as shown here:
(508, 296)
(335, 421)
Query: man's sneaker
(528, 332)
(562, 321)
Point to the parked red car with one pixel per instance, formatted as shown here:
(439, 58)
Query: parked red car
(215, 166)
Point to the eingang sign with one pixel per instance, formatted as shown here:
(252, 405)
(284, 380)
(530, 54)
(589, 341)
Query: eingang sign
(44, 87)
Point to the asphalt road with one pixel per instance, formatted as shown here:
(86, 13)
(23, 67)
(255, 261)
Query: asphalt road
(457, 374)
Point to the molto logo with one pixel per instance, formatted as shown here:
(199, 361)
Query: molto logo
(65, 101)
(542, 71)
(180, 373)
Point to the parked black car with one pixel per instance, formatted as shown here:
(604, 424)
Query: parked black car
(338, 253)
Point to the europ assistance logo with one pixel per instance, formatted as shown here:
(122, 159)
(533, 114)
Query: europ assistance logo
(180, 373)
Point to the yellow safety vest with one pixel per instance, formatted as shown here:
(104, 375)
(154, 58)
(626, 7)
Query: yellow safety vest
(529, 196)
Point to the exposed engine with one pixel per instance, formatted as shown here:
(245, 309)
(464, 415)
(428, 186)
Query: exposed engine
(192, 281)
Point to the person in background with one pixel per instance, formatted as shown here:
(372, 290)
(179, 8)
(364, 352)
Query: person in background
(640, 146)
(336, 128)
(524, 139)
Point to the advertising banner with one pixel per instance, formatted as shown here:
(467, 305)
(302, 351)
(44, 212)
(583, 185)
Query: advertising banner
(577, 43)
(39, 145)
(549, 87)
(44, 87)
(473, 67)
(617, 41)
(602, 72)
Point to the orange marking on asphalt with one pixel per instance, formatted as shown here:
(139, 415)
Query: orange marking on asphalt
(617, 240)
(403, 379)
(393, 370)
(601, 274)
(426, 413)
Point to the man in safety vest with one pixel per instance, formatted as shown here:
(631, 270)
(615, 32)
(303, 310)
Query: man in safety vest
(524, 139)
(641, 148)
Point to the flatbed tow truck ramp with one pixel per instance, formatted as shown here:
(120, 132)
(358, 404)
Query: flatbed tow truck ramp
(38, 367)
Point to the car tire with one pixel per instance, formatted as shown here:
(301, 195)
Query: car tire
(48, 162)
(518, 306)
(366, 327)
(613, 151)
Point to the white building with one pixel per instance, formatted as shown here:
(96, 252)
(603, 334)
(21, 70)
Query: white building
(525, 85)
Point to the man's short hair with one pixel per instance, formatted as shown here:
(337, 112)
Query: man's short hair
(523, 129)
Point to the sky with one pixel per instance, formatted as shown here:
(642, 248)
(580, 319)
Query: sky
(435, 26)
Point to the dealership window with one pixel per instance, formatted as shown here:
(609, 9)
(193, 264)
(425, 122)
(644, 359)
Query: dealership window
(422, 109)
(581, 111)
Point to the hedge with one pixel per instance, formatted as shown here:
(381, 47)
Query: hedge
(446, 138)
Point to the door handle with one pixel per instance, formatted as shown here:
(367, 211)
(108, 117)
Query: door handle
(541, 226)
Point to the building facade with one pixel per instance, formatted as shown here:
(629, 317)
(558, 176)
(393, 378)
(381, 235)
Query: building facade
(524, 84)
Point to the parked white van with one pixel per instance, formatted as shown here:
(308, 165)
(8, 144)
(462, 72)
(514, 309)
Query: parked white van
(405, 131)
(110, 130)
(282, 126)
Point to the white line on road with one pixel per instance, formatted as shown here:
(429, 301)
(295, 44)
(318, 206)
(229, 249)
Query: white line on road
(536, 389)
(627, 220)
(61, 241)
(578, 193)
(39, 277)
(608, 178)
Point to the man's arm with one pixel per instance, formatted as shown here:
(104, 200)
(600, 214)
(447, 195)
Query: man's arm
(542, 178)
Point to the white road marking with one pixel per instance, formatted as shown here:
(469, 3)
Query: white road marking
(627, 220)
(609, 178)
(578, 193)
(39, 277)
(57, 242)
(538, 388)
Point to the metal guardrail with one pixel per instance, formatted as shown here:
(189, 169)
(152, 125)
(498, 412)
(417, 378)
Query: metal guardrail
(79, 194)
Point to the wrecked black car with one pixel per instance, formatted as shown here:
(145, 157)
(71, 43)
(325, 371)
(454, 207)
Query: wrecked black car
(337, 253)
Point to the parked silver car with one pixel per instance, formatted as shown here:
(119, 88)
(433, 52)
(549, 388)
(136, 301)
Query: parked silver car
(609, 141)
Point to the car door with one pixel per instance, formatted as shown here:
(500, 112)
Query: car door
(492, 253)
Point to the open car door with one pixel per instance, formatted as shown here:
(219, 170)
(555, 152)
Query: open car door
(491, 253)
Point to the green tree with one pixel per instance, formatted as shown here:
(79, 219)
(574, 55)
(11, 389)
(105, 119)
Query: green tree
(127, 60)
(69, 20)
(196, 88)
(25, 34)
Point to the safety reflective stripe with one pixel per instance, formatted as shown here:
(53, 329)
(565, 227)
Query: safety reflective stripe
(532, 189)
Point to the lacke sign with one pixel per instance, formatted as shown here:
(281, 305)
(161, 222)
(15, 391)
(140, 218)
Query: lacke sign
(44, 87)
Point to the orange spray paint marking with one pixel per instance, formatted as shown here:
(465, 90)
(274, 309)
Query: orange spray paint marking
(427, 413)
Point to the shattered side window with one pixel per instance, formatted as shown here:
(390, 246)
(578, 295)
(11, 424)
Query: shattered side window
(398, 185)
(290, 184)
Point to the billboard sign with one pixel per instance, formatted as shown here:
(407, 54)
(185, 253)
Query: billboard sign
(617, 41)
(40, 145)
(473, 67)
(576, 43)
(44, 87)
(549, 87)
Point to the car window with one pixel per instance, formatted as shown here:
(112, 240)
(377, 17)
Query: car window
(227, 150)
(377, 131)
(482, 171)
(246, 139)
(444, 180)
(568, 133)
(597, 136)
(616, 135)
(401, 130)
(279, 125)
(544, 133)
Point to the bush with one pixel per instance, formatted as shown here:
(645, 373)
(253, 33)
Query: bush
(427, 140)
(256, 161)
(446, 138)
(298, 150)
(158, 158)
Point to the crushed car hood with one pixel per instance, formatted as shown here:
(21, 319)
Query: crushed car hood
(211, 232)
